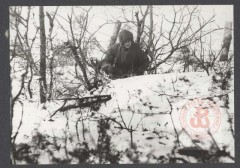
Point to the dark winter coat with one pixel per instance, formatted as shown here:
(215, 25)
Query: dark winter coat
(122, 62)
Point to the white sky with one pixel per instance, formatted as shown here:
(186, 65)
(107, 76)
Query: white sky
(101, 13)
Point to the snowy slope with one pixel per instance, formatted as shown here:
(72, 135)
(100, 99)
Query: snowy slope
(149, 104)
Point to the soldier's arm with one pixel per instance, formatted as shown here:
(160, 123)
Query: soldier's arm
(107, 62)
(110, 55)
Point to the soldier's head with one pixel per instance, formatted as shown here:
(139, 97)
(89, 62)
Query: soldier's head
(126, 38)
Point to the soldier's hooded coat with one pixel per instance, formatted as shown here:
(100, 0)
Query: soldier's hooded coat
(125, 62)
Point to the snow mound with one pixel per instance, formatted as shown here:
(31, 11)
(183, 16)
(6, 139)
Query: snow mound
(149, 105)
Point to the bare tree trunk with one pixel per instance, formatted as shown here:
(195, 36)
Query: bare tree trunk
(42, 81)
(226, 41)
(51, 24)
(140, 24)
(115, 33)
(150, 40)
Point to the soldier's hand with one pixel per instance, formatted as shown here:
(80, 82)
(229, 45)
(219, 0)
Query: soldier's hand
(107, 68)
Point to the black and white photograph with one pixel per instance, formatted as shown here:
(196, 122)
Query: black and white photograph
(121, 84)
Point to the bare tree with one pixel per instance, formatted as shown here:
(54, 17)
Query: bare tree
(181, 34)
(21, 49)
(186, 28)
(42, 80)
(80, 42)
(150, 49)
(53, 51)
(141, 23)
(226, 41)
(21, 54)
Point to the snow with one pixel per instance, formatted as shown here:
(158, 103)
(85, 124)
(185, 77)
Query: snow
(141, 103)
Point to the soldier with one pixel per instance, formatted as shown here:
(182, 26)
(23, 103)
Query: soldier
(125, 58)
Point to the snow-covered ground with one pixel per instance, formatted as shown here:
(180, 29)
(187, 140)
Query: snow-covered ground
(149, 104)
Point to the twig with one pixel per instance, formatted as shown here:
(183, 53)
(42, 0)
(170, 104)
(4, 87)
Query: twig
(83, 129)
(19, 126)
(58, 109)
(178, 141)
(173, 83)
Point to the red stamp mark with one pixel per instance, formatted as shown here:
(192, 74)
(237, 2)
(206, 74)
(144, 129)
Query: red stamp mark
(200, 118)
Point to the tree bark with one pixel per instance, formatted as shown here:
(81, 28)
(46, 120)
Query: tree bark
(226, 41)
(42, 81)
(140, 24)
(150, 40)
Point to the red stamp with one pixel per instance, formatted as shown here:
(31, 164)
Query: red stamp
(200, 118)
